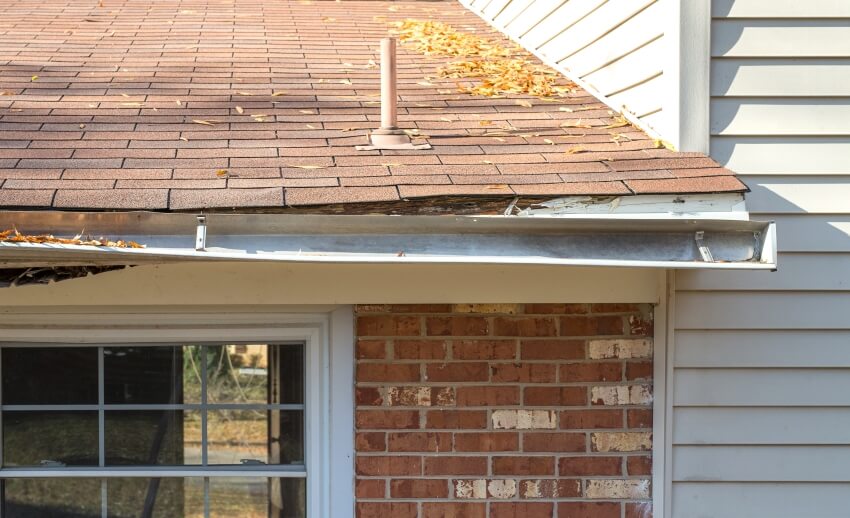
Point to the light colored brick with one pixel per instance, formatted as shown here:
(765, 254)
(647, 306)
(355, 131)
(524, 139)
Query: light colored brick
(617, 489)
(621, 441)
(509, 309)
(524, 420)
(621, 348)
(408, 396)
(469, 489)
(502, 489)
(621, 395)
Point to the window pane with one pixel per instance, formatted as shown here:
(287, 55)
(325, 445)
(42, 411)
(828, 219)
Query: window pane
(258, 497)
(45, 438)
(152, 375)
(155, 497)
(49, 375)
(252, 436)
(51, 498)
(237, 374)
(288, 369)
(152, 437)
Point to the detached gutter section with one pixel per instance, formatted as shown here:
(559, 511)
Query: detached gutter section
(647, 241)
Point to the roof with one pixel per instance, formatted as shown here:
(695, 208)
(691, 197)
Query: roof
(161, 105)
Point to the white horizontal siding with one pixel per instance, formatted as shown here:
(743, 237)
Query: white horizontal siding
(614, 48)
(795, 9)
(780, 38)
(760, 500)
(782, 154)
(785, 116)
(768, 77)
(761, 425)
(762, 463)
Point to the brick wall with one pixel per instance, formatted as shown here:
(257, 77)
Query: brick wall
(504, 411)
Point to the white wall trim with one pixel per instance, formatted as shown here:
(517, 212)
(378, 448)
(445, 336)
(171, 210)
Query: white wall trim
(659, 402)
(688, 72)
(329, 336)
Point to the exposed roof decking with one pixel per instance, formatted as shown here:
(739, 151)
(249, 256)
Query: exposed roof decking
(108, 122)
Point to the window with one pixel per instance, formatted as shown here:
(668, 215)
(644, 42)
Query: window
(155, 430)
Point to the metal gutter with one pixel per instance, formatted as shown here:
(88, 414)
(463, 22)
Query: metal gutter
(649, 241)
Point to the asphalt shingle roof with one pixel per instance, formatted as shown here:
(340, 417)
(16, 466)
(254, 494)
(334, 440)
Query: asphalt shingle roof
(101, 104)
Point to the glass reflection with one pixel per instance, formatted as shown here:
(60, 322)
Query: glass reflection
(152, 437)
(255, 436)
(237, 373)
(155, 498)
(51, 498)
(287, 374)
(152, 375)
(249, 497)
(49, 375)
(49, 439)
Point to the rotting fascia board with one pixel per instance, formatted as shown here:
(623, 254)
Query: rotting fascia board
(688, 206)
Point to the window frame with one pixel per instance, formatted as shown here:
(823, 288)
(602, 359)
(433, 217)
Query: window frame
(328, 435)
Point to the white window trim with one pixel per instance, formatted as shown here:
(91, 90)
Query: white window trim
(329, 339)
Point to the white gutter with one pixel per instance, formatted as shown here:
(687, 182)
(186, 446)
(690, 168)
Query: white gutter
(651, 242)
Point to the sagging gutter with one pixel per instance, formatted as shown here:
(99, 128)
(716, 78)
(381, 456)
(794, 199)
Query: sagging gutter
(647, 241)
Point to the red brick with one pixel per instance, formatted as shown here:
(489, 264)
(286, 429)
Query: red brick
(638, 510)
(367, 488)
(591, 371)
(590, 466)
(639, 326)
(443, 372)
(387, 372)
(522, 510)
(386, 510)
(639, 465)
(639, 418)
(553, 442)
(418, 488)
(638, 370)
(370, 441)
(487, 441)
(456, 466)
(557, 309)
(453, 510)
(525, 326)
(588, 510)
(523, 466)
(523, 373)
(552, 349)
(382, 466)
(614, 308)
(403, 308)
(368, 396)
(371, 349)
(568, 488)
(419, 441)
(590, 419)
(555, 396)
(487, 396)
(419, 350)
(387, 419)
(457, 326)
(591, 326)
(484, 349)
(388, 325)
(456, 419)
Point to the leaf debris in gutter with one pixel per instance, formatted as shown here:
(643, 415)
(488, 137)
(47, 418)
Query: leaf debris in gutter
(14, 236)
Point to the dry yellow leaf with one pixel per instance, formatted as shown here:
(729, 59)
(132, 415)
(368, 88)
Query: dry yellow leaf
(308, 166)
(82, 126)
(6, 93)
(371, 64)
(132, 104)
(34, 78)
(221, 173)
(485, 123)
(178, 102)
(549, 141)
(240, 110)
(184, 139)
(327, 19)
(278, 94)
(309, 112)
(204, 123)
(246, 94)
(446, 119)
(576, 150)
(525, 103)
(310, 126)
(565, 109)
(663, 144)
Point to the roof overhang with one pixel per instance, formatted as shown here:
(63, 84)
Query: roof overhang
(647, 241)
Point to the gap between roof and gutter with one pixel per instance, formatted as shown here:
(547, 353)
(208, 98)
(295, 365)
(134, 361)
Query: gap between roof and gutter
(704, 232)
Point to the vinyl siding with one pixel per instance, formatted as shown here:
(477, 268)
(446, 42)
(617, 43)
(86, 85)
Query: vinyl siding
(761, 362)
(614, 48)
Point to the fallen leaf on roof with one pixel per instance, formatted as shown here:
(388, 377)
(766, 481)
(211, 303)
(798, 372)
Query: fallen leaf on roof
(485, 123)
(328, 19)
(178, 102)
(487, 162)
(348, 129)
(345, 81)
(132, 104)
(446, 119)
(278, 94)
(6, 93)
(578, 124)
(204, 123)
(391, 164)
(576, 150)
(221, 173)
(425, 83)
(392, 8)
(371, 64)
(125, 95)
(663, 144)
(13, 236)
(549, 141)
(308, 166)
(619, 122)
(565, 109)
(240, 110)
(500, 139)
(184, 139)
(523, 102)
(499, 186)
(246, 94)
(310, 126)
(308, 112)
(34, 78)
